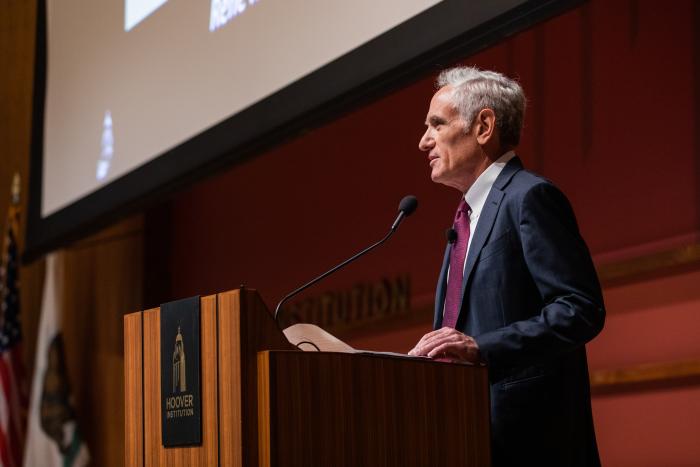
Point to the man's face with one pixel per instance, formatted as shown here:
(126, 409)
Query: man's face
(453, 151)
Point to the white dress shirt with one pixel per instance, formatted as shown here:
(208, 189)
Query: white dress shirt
(477, 193)
(476, 197)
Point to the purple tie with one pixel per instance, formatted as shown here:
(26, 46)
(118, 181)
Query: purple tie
(453, 298)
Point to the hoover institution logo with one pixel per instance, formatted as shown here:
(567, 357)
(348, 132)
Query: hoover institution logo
(181, 409)
(181, 404)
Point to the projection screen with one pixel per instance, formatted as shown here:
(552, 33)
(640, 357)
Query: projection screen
(137, 97)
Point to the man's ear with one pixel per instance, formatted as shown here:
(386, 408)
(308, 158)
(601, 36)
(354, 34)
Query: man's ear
(485, 126)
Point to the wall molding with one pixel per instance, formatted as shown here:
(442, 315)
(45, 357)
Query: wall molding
(667, 261)
(644, 377)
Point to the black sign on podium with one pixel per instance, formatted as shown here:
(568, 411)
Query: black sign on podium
(180, 366)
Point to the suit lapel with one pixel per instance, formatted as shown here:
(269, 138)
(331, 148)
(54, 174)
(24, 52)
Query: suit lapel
(483, 228)
(441, 288)
(488, 217)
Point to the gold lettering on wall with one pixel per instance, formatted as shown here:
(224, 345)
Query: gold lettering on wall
(363, 303)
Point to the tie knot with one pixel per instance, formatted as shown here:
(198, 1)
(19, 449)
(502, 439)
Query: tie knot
(463, 209)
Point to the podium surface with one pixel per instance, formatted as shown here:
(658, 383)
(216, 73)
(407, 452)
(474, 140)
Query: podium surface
(264, 402)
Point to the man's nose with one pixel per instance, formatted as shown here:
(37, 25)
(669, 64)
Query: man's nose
(426, 142)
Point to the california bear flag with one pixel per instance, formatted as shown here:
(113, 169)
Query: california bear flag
(53, 438)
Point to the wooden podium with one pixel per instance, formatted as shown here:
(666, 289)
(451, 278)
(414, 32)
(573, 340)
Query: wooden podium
(266, 403)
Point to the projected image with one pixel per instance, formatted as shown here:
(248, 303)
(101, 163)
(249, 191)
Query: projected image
(136, 11)
(106, 147)
(223, 11)
(143, 77)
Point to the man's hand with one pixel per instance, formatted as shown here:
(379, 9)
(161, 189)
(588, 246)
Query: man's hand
(447, 343)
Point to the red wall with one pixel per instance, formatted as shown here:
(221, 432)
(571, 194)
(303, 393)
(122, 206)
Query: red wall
(612, 119)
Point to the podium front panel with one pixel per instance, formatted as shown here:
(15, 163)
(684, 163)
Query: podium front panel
(322, 409)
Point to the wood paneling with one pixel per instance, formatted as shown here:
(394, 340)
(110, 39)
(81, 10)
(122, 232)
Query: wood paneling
(210, 390)
(133, 391)
(230, 432)
(103, 283)
(151, 388)
(265, 411)
(258, 332)
(352, 409)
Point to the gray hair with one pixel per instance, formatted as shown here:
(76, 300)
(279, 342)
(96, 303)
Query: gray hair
(476, 89)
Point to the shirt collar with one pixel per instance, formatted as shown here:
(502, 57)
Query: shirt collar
(477, 193)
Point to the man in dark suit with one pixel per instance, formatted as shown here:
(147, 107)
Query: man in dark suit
(517, 289)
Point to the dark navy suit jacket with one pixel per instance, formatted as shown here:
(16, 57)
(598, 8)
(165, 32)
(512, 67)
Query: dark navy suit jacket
(531, 301)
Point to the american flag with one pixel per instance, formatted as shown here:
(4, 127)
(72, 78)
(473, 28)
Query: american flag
(13, 389)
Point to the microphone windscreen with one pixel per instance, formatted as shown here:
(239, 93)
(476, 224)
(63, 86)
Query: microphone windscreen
(451, 235)
(408, 204)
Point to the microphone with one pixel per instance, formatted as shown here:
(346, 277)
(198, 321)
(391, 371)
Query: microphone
(406, 207)
(451, 235)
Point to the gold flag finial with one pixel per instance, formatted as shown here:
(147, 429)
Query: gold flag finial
(16, 186)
